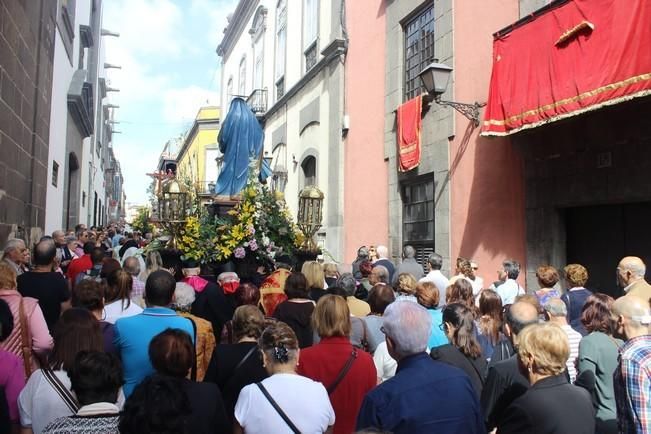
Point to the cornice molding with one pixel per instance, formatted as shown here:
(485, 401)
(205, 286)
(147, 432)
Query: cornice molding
(237, 24)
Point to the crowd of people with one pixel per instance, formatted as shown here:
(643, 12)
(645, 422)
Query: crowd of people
(98, 335)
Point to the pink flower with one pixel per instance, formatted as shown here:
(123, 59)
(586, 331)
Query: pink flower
(239, 252)
(253, 245)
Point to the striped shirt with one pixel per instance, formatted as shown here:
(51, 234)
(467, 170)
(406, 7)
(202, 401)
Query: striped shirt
(574, 338)
(633, 386)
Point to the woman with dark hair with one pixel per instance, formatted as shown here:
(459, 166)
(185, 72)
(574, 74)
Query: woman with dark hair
(286, 401)
(547, 278)
(96, 378)
(379, 298)
(172, 354)
(89, 294)
(297, 310)
(489, 323)
(118, 297)
(347, 373)
(12, 374)
(598, 359)
(463, 351)
(158, 405)
(364, 288)
(247, 294)
(461, 292)
(236, 365)
(46, 395)
(428, 296)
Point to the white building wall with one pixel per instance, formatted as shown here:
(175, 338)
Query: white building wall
(314, 139)
(61, 76)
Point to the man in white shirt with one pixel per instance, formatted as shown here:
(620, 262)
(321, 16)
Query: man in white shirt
(435, 276)
(556, 311)
(510, 288)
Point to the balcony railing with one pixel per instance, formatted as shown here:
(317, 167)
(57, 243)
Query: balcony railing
(257, 101)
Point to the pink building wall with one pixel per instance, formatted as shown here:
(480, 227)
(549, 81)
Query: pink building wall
(366, 213)
(487, 217)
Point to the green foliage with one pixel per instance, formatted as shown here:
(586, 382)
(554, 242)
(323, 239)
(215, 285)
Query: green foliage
(140, 222)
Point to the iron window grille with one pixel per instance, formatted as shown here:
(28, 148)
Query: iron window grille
(418, 216)
(419, 49)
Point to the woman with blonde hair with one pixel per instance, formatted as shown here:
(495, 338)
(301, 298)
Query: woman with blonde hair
(347, 373)
(313, 272)
(406, 287)
(551, 404)
(285, 401)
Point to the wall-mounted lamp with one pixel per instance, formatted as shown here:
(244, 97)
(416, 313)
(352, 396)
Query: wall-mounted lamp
(294, 160)
(435, 78)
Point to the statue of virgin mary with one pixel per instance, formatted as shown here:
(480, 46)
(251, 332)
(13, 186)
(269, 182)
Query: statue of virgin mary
(241, 142)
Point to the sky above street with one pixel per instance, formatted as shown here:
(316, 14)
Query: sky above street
(169, 69)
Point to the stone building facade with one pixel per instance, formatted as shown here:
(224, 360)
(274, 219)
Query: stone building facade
(26, 58)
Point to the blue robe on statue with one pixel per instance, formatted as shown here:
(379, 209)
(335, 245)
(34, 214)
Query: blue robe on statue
(240, 141)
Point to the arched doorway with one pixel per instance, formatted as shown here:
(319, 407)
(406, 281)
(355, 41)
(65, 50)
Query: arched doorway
(71, 209)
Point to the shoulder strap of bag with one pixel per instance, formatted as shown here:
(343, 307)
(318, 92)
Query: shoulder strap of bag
(343, 372)
(61, 390)
(244, 359)
(279, 410)
(193, 370)
(26, 341)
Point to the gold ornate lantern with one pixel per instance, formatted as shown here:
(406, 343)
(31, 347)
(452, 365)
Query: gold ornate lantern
(173, 205)
(310, 214)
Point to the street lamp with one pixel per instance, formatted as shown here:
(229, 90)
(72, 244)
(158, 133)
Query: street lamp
(173, 204)
(310, 214)
(435, 78)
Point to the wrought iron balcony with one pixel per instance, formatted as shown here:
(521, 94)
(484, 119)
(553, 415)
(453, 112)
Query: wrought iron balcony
(257, 101)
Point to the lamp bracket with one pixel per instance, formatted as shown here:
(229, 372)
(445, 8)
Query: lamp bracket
(470, 111)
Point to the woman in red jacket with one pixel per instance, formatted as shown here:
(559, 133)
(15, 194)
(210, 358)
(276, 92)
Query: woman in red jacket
(347, 373)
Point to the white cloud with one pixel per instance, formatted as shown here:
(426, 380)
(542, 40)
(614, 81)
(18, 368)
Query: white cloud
(182, 104)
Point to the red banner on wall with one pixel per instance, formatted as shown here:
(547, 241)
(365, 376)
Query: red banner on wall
(579, 56)
(408, 126)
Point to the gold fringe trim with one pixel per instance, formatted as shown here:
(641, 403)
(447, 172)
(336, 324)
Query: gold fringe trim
(584, 95)
(574, 31)
(567, 115)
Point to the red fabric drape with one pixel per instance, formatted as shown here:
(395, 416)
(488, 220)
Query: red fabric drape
(408, 123)
(579, 56)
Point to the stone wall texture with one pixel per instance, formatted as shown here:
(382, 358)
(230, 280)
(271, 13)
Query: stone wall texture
(26, 56)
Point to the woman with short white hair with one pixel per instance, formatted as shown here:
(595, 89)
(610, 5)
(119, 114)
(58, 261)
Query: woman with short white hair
(184, 296)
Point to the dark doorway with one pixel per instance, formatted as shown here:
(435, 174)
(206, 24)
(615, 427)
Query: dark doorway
(599, 236)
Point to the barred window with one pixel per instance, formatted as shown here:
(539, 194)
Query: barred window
(418, 215)
(419, 49)
(310, 57)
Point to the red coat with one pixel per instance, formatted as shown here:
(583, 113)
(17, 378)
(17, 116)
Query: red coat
(79, 265)
(323, 362)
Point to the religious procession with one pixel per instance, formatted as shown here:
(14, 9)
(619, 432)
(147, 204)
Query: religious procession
(303, 216)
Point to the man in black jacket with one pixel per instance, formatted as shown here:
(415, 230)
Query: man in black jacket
(504, 382)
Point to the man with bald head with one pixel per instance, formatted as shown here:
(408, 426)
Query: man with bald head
(504, 382)
(630, 276)
(632, 379)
